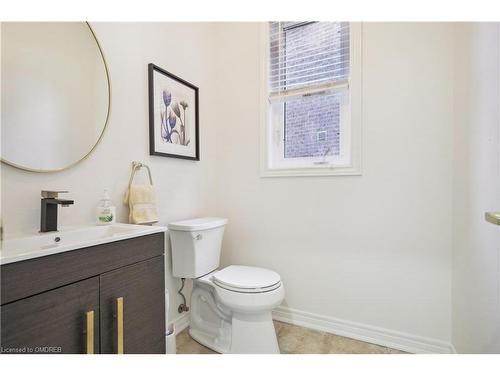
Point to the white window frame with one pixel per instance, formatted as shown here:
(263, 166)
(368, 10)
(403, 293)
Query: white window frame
(320, 166)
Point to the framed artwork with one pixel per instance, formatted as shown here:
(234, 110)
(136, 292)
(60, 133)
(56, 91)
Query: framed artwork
(173, 115)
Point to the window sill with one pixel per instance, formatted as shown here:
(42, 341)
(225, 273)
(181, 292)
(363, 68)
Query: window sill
(310, 172)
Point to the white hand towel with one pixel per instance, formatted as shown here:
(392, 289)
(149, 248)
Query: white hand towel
(141, 201)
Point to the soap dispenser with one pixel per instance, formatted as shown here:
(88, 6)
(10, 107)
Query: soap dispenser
(106, 212)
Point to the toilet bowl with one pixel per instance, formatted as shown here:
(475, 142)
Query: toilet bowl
(231, 307)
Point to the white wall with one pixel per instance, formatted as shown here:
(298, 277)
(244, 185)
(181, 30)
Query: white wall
(184, 188)
(476, 245)
(373, 249)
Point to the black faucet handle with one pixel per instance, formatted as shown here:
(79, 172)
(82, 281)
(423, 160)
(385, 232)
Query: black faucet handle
(54, 194)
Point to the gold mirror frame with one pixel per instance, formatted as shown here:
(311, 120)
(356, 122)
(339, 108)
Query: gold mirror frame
(103, 129)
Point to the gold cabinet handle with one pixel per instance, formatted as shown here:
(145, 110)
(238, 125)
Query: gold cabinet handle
(90, 332)
(119, 324)
(492, 217)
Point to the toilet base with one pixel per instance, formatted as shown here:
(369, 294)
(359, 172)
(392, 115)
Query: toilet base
(249, 335)
(254, 334)
(216, 327)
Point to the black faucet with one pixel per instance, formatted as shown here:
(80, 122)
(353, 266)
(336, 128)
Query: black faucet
(50, 201)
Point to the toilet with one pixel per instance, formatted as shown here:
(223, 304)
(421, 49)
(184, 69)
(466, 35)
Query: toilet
(231, 307)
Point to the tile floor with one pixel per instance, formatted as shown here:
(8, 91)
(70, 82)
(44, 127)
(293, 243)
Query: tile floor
(298, 340)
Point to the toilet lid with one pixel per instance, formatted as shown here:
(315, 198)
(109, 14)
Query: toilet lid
(244, 277)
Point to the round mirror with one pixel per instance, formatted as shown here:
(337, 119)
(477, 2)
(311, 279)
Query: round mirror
(55, 94)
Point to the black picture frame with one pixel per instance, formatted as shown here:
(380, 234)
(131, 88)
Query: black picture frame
(152, 68)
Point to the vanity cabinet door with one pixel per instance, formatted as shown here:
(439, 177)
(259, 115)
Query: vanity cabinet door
(63, 320)
(132, 301)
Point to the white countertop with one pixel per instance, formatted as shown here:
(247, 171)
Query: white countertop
(35, 245)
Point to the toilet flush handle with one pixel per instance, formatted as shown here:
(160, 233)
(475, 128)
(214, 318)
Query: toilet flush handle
(198, 237)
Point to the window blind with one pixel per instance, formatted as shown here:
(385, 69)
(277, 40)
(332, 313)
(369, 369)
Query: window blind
(308, 57)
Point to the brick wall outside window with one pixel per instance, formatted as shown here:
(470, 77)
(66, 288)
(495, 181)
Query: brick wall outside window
(306, 116)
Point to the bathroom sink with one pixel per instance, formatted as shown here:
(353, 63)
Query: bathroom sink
(20, 248)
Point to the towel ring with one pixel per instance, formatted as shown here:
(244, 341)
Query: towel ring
(136, 166)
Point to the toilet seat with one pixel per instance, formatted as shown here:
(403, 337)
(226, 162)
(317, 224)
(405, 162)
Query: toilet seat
(245, 279)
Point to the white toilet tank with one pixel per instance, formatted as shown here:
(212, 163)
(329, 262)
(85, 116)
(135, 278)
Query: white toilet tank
(196, 246)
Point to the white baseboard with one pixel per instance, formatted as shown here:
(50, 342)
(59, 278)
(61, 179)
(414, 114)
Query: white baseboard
(358, 331)
(375, 335)
(180, 323)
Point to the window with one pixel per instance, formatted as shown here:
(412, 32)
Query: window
(312, 119)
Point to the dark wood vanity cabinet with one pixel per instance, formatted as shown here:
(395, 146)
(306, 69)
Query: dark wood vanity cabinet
(143, 316)
(108, 298)
(52, 322)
